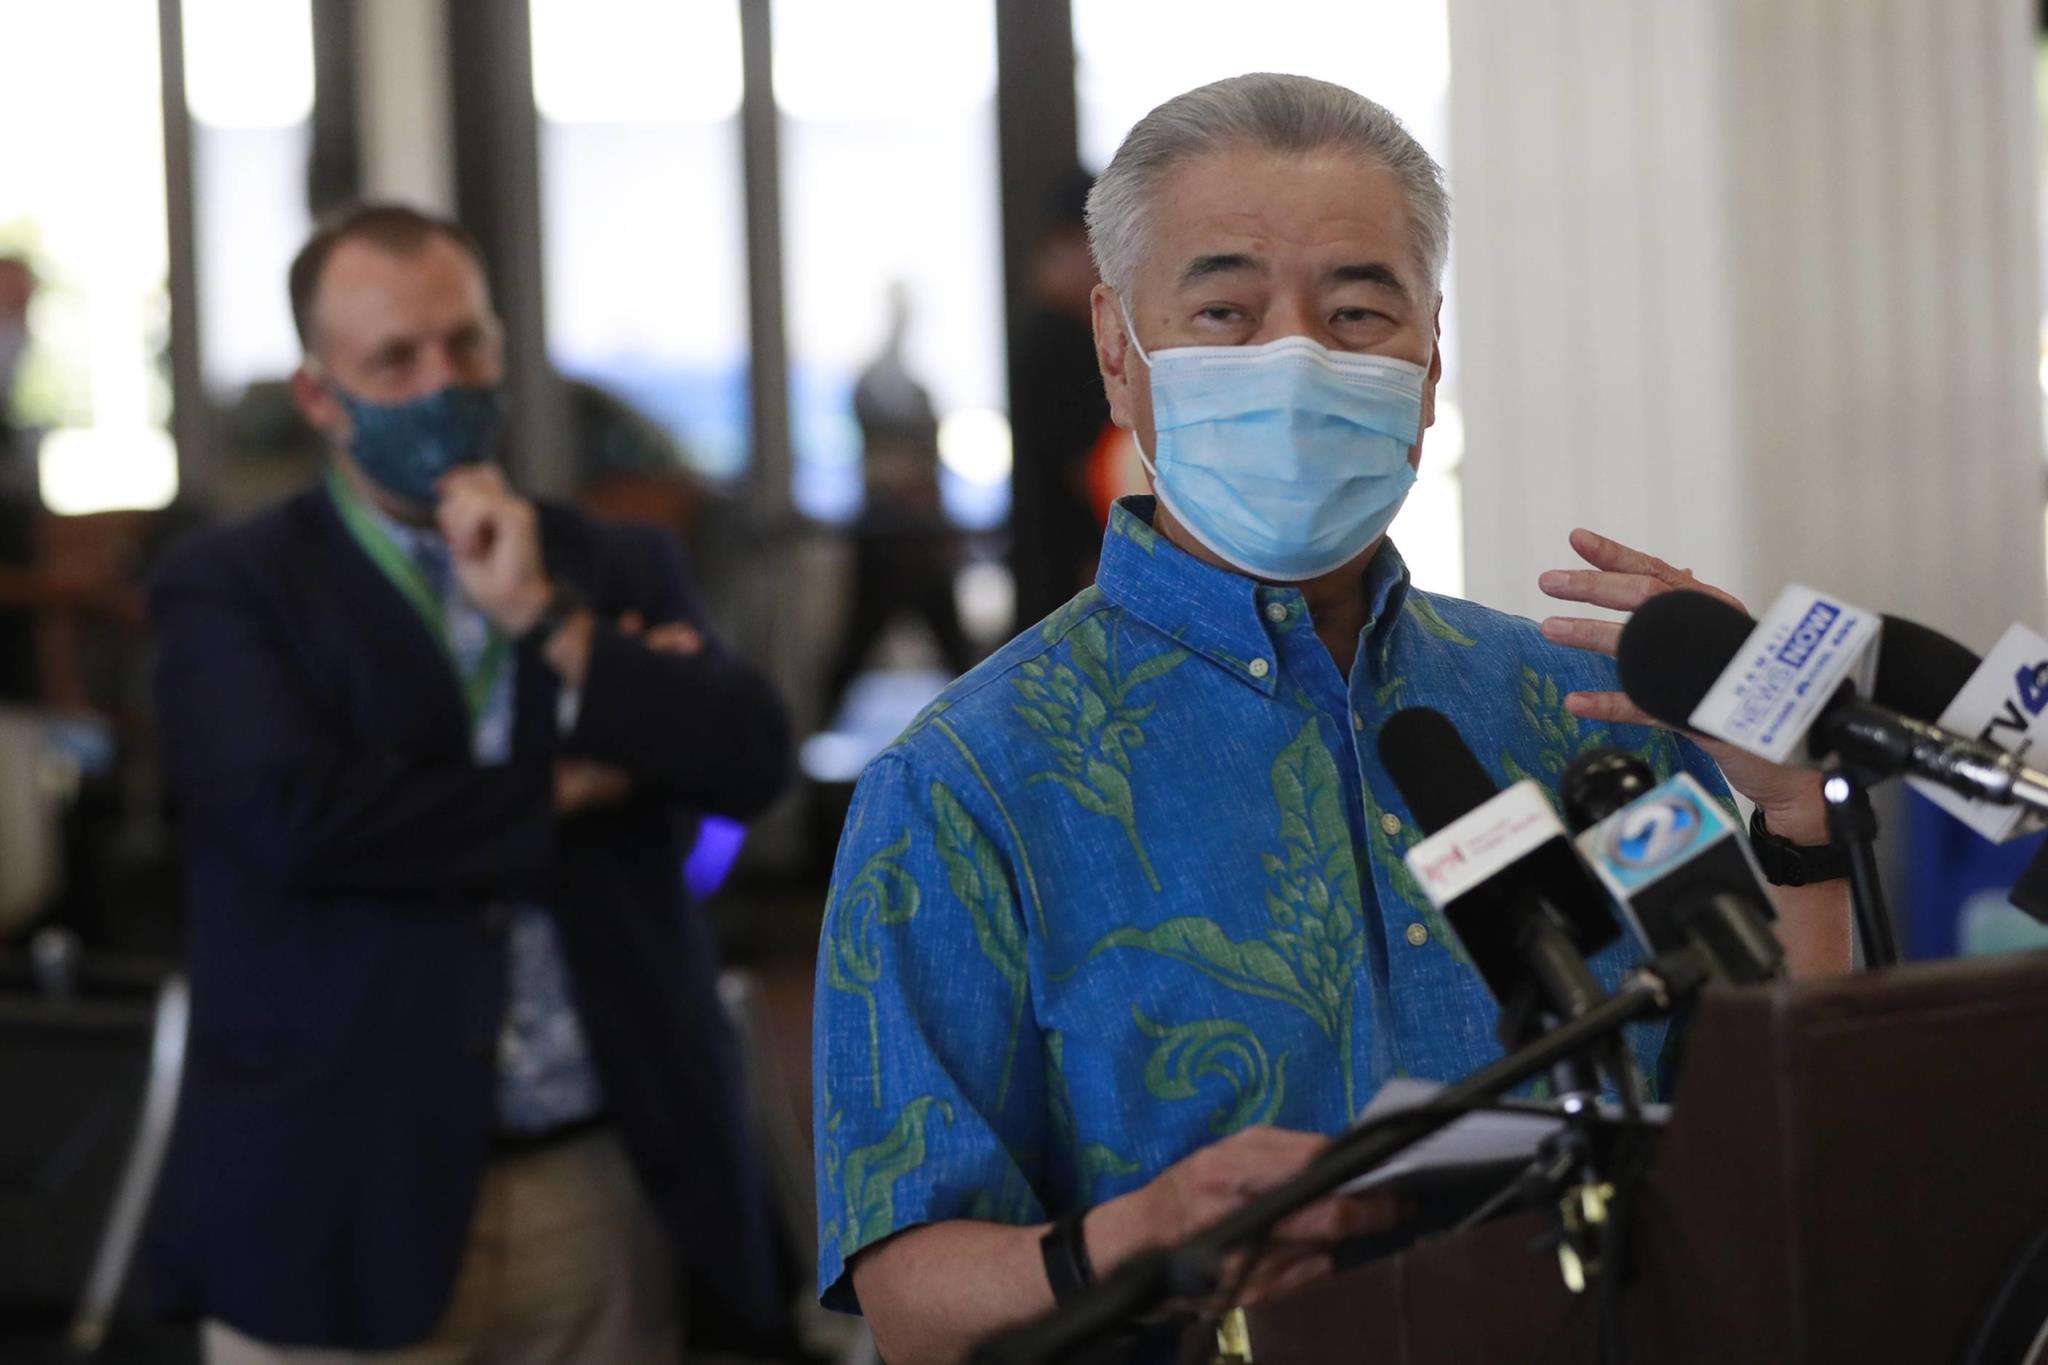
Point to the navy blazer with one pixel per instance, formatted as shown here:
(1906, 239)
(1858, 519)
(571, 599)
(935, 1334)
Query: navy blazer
(348, 973)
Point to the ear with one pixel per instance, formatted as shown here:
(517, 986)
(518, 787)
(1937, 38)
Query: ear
(1436, 365)
(1112, 354)
(315, 400)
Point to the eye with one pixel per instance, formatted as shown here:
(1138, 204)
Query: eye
(1221, 312)
(1358, 315)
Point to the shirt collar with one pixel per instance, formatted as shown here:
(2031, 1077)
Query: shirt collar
(1221, 615)
(422, 544)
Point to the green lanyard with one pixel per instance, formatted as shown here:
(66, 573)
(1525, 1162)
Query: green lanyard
(411, 582)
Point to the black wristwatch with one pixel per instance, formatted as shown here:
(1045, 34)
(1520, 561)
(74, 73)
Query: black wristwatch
(1785, 863)
(564, 602)
(1067, 1267)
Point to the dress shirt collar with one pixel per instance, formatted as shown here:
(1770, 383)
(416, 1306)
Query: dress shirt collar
(1223, 616)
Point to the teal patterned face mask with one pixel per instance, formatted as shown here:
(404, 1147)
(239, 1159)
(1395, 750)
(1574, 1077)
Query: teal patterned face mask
(1286, 459)
(405, 448)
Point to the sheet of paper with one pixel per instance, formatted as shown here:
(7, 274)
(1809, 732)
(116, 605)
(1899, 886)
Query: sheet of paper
(1482, 1139)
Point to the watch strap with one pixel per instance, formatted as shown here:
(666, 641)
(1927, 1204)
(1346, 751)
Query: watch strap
(1785, 863)
(1067, 1267)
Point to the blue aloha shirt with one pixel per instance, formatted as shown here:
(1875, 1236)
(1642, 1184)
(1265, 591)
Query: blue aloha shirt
(1135, 883)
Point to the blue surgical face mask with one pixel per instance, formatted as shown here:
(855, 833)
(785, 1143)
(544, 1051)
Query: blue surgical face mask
(1286, 459)
(405, 448)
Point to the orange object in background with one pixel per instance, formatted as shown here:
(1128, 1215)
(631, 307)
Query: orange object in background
(1114, 470)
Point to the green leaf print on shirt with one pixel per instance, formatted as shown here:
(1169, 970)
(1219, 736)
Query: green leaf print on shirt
(1094, 1160)
(1055, 626)
(882, 894)
(1562, 736)
(1427, 616)
(1215, 1048)
(1084, 715)
(1137, 530)
(871, 1173)
(979, 881)
(1314, 948)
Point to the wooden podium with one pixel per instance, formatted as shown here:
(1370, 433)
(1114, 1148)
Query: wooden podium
(1854, 1167)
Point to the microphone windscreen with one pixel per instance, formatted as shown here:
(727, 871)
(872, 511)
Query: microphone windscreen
(1600, 782)
(1674, 648)
(1430, 763)
(1919, 671)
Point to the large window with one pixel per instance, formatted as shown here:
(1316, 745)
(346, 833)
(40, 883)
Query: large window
(890, 187)
(1134, 54)
(642, 219)
(249, 87)
(82, 196)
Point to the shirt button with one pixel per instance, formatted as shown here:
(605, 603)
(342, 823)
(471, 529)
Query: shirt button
(1258, 668)
(1276, 612)
(1417, 936)
(1391, 824)
(1357, 721)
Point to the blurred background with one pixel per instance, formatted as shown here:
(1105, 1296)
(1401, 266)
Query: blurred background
(1755, 287)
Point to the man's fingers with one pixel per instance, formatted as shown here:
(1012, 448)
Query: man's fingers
(1615, 557)
(1615, 591)
(1340, 1218)
(1601, 637)
(1278, 1277)
(1612, 708)
(675, 638)
(630, 623)
(1611, 556)
(463, 518)
(480, 478)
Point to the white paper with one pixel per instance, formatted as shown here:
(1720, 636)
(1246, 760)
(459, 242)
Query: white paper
(1486, 1138)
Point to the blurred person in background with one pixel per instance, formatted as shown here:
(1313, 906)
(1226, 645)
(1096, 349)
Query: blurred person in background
(905, 554)
(1058, 413)
(460, 1088)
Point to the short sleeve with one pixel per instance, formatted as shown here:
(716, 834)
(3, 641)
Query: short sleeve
(929, 1087)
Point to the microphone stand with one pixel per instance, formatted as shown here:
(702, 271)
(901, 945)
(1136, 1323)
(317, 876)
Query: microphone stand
(1853, 824)
(1194, 1268)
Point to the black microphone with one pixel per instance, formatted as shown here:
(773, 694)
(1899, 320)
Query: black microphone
(1677, 645)
(1501, 867)
(1680, 868)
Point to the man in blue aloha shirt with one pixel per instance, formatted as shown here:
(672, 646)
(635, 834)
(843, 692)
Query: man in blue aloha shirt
(1120, 926)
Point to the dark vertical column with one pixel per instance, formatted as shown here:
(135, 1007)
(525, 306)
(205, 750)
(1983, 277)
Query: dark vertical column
(1038, 143)
(497, 195)
(190, 424)
(768, 375)
(334, 171)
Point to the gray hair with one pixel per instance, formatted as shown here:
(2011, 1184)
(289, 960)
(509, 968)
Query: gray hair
(1281, 113)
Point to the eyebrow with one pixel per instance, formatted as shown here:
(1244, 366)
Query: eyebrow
(1218, 263)
(1370, 272)
(1357, 272)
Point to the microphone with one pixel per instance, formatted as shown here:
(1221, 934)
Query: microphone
(1503, 871)
(1687, 658)
(1679, 868)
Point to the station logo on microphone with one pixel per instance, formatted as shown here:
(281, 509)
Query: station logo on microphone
(1659, 831)
(1805, 647)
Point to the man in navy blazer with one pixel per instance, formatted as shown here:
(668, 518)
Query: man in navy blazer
(458, 1082)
